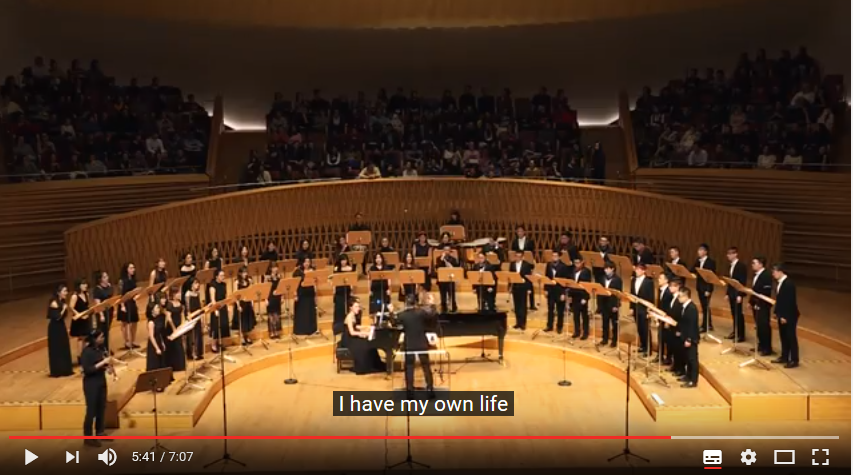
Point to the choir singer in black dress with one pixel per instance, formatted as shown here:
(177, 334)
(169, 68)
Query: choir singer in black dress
(245, 309)
(414, 322)
(195, 339)
(305, 306)
(273, 303)
(80, 327)
(155, 356)
(380, 289)
(788, 314)
(556, 269)
(128, 312)
(96, 364)
(342, 294)
(103, 290)
(58, 346)
(447, 290)
(219, 328)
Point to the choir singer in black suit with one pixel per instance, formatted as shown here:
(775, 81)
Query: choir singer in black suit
(486, 294)
(522, 290)
(762, 283)
(522, 243)
(556, 269)
(736, 271)
(704, 289)
(641, 253)
(689, 324)
(609, 305)
(580, 300)
(642, 287)
(414, 322)
(788, 313)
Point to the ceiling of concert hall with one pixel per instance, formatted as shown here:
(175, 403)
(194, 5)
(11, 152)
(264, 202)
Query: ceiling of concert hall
(384, 13)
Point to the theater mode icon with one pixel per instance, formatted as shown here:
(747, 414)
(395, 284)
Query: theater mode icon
(712, 457)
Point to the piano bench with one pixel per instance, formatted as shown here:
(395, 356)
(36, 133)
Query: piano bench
(343, 358)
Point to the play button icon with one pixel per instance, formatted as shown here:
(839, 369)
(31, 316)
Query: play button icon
(29, 457)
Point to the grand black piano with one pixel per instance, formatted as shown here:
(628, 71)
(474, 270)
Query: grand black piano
(387, 339)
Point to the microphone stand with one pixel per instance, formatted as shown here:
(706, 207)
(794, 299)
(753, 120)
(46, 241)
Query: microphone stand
(626, 451)
(410, 462)
(291, 378)
(226, 456)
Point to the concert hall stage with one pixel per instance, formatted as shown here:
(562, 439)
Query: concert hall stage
(818, 390)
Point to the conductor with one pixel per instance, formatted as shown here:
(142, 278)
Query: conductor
(414, 322)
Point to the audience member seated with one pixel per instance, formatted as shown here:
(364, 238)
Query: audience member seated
(78, 123)
(768, 108)
(402, 134)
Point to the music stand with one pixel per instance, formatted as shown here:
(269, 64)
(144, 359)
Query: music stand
(535, 280)
(411, 277)
(453, 276)
(710, 278)
(177, 282)
(653, 271)
(155, 381)
(345, 280)
(755, 360)
(626, 451)
(261, 290)
(593, 258)
(226, 456)
(456, 231)
(240, 296)
(479, 281)
(622, 298)
(220, 357)
(259, 268)
(632, 301)
(594, 290)
(662, 318)
(286, 289)
(681, 271)
(734, 348)
(231, 271)
(624, 266)
(391, 258)
(179, 332)
(133, 295)
(384, 277)
(286, 266)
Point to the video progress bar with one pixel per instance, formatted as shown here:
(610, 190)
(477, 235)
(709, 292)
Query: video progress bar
(756, 437)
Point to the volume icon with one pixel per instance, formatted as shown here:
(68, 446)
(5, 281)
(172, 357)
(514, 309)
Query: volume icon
(69, 457)
(108, 457)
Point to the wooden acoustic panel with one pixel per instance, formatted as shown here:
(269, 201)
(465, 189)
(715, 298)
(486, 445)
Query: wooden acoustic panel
(399, 208)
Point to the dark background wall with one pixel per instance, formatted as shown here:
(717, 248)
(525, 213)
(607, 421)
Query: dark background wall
(591, 61)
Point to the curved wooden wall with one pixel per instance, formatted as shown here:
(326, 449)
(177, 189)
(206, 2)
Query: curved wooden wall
(398, 208)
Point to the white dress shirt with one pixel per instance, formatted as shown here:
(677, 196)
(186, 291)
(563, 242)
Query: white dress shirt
(732, 268)
(779, 286)
(521, 242)
(638, 282)
(702, 262)
(755, 279)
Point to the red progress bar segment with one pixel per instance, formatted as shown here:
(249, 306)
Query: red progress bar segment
(339, 437)
(713, 468)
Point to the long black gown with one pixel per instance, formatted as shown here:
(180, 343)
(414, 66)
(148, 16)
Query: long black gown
(219, 320)
(378, 291)
(195, 338)
(342, 294)
(246, 310)
(82, 326)
(190, 272)
(274, 305)
(58, 346)
(423, 251)
(101, 294)
(131, 313)
(152, 359)
(365, 358)
(305, 309)
(175, 356)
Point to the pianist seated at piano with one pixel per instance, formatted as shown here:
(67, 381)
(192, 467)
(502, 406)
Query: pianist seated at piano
(365, 357)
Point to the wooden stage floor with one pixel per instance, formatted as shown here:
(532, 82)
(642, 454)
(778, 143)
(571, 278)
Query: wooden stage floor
(811, 400)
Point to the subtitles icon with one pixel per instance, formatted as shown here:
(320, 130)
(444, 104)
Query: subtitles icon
(712, 457)
(784, 461)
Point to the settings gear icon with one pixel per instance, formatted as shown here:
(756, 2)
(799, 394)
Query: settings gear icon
(747, 457)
